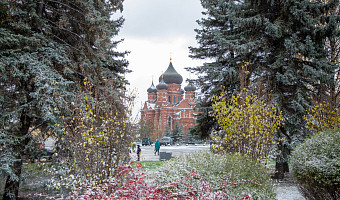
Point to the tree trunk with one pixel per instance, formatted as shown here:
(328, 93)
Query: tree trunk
(12, 186)
(280, 169)
(279, 172)
(12, 183)
(281, 166)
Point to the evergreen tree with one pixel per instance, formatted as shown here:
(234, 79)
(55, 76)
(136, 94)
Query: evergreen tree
(216, 43)
(46, 47)
(333, 46)
(285, 49)
(146, 128)
(177, 133)
(205, 122)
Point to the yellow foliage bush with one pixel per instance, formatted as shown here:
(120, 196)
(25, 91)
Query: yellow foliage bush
(248, 122)
(322, 116)
(97, 138)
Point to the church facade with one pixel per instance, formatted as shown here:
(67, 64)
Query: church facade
(168, 104)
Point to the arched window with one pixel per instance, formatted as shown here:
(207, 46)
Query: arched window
(174, 99)
(169, 122)
(169, 99)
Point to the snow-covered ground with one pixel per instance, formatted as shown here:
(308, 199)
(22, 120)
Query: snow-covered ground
(288, 192)
(285, 190)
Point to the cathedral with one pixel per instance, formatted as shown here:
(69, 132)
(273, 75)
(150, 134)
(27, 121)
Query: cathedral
(168, 104)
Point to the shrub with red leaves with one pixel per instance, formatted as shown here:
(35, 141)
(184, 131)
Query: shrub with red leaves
(131, 183)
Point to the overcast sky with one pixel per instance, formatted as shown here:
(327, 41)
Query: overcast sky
(153, 31)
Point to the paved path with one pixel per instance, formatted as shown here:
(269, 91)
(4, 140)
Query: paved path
(148, 151)
(287, 191)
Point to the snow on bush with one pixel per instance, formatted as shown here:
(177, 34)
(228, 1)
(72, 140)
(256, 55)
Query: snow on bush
(316, 165)
(134, 183)
(235, 175)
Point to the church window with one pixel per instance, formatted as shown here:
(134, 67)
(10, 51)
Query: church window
(169, 122)
(169, 99)
(178, 98)
(174, 99)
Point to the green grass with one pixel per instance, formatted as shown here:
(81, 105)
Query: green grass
(37, 168)
(150, 165)
(271, 163)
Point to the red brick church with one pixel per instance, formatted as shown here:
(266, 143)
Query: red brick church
(168, 104)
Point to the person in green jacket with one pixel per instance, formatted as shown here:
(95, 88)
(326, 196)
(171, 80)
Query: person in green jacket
(157, 147)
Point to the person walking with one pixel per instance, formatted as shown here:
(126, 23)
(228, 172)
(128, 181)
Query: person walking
(157, 147)
(139, 150)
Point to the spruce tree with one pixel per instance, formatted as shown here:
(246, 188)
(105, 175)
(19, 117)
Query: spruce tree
(216, 43)
(177, 134)
(205, 123)
(333, 47)
(285, 48)
(47, 49)
(295, 61)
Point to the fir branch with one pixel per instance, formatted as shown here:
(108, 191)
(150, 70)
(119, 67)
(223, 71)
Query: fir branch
(35, 128)
(58, 2)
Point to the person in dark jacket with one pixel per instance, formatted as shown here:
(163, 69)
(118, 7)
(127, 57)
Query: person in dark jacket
(139, 150)
(157, 147)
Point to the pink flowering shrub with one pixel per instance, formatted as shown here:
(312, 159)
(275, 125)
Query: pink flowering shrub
(132, 183)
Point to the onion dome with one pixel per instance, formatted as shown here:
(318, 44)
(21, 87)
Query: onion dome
(162, 85)
(152, 88)
(190, 88)
(171, 76)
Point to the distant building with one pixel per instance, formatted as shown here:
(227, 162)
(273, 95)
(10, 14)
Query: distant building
(168, 104)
